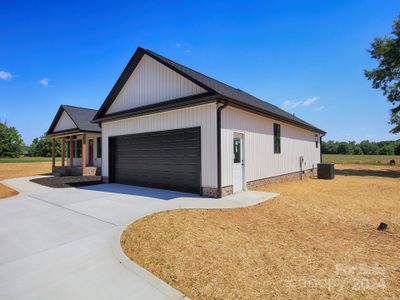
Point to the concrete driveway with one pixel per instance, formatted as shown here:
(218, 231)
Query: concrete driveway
(60, 243)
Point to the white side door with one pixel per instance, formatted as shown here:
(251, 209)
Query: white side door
(238, 165)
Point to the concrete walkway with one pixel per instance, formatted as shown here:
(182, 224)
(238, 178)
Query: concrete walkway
(63, 243)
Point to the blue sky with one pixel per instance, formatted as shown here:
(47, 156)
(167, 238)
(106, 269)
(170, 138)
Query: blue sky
(305, 56)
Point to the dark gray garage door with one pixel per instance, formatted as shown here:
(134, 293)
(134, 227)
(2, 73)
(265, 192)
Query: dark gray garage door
(165, 159)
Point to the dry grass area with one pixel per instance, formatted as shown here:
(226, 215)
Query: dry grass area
(318, 239)
(13, 170)
(5, 191)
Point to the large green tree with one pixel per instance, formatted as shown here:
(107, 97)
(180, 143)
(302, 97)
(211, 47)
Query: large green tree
(42, 146)
(386, 76)
(10, 141)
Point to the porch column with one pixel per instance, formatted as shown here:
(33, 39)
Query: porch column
(63, 151)
(71, 151)
(53, 152)
(83, 151)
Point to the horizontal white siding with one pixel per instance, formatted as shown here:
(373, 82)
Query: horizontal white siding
(65, 122)
(152, 82)
(203, 116)
(260, 159)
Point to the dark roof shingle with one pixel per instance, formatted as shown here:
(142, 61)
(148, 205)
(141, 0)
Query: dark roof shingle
(81, 116)
(211, 85)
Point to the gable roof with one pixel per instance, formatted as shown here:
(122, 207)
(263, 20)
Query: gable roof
(81, 117)
(214, 88)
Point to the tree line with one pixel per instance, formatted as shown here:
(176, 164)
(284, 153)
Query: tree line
(12, 145)
(365, 147)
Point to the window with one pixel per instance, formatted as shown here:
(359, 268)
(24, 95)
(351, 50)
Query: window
(316, 140)
(99, 147)
(78, 147)
(236, 150)
(277, 138)
(67, 146)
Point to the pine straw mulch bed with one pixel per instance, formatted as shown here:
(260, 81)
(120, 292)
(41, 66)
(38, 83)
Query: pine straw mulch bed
(318, 239)
(5, 191)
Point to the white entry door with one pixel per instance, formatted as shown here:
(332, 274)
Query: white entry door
(238, 162)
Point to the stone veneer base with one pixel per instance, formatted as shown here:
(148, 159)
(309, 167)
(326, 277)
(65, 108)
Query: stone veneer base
(213, 192)
(76, 171)
(282, 178)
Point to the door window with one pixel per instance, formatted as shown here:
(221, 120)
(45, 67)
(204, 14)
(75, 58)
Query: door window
(236, 150)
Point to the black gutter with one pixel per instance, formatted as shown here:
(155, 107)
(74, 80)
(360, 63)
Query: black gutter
(219, 161)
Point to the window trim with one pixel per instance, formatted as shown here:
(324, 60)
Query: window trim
(277, 138)
(239, 152)
(98, 147)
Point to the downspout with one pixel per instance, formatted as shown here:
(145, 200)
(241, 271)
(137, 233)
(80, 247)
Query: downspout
(320, 146)
(219, 160)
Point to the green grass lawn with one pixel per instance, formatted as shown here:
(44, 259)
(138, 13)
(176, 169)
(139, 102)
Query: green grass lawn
(332, 158)
(360, 159)
(26, 159)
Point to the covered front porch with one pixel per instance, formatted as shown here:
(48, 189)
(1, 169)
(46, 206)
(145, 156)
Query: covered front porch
(80, 154)
(80, 141)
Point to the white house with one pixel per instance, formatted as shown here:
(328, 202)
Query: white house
(167, 126)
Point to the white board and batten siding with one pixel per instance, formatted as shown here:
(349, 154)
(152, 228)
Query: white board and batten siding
(259, 158)
(203, 116)
(64, 123)
(77, 161)
(150, 83)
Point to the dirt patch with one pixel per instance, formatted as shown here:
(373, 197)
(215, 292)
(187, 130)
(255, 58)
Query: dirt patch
(13, 170)
(318, 239)
(5, 191)
(68, 181)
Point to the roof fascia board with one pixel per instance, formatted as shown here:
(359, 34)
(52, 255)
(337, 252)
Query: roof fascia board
(55, 120)
(70, 131)
(207, 88)
(249, 108)
(165, 106)
(70, 117)
(127, 72)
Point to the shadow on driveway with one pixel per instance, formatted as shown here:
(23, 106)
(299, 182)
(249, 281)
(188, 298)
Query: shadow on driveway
(140, 191)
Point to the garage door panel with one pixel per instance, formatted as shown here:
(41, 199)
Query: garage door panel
(168, 159)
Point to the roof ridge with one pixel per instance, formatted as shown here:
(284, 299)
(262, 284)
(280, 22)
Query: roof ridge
(80, 107)
(193, 70)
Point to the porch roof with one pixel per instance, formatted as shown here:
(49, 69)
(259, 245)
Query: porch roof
(80, 118)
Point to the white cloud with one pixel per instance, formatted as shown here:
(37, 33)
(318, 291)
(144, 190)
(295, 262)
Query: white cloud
(44, 81)
(290, 104)
(5, 75)
(187, 51)
(178, 45)
(310, 101)
(319, 108)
